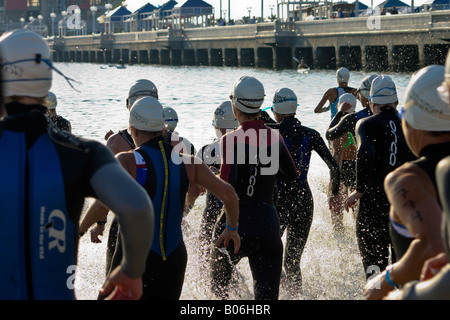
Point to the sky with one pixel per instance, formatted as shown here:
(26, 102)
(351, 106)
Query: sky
(239, 7)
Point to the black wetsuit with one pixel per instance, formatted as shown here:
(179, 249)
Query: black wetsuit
(428, 160)
(381, 149)
(343, 123)
(295, 204)
(245, 167)
(45, 179)
(166, 263)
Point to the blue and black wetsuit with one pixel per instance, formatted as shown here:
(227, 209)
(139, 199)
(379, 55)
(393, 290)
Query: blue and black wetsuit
(381, 149)
(45, 180)
(167, 184)
(244, 165)
(428, 159)
(295, 204)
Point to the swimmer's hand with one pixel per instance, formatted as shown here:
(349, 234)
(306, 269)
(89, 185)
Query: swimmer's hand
(344, 107)
(352, 199)
(228, 235)
(334, 202)
(119, 286)
(433, 265)
(96, 232)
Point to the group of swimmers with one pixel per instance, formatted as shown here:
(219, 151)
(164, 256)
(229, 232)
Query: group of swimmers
(254, 176)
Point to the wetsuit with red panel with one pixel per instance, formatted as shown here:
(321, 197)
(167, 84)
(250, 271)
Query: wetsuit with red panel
(253, 158)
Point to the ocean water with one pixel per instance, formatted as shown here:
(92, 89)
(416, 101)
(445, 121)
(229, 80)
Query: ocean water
(331, 266)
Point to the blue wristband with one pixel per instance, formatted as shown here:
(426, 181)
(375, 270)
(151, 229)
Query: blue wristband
(388, 277)
(230, 228)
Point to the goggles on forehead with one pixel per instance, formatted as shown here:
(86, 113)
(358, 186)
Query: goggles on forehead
(280, 99)
(38, 59)
(376, 95)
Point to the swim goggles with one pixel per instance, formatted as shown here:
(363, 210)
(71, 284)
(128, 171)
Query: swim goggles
(376, 95)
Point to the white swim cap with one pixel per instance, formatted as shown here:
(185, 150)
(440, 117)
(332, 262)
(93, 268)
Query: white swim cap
(224, 117)
(248, 94)
(146, 114)
(51, 101)
(284, 101)
(383, 90)
(141, 88)
(348, 98)
(170, 118)
(343, 75)
(26, 64)
(424, 109)
(366, 83)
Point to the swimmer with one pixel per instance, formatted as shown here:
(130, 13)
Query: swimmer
(118, 142)
(246, 166)
(171, 121)
(411, 189)
(345, 155)
(294, 202)
(50, 102)
(381, 149)
(46, 176)
(332, 95)
(167, 175)
(223, 121)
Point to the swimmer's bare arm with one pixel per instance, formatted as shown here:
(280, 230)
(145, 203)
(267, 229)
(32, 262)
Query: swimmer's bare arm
(96, 212)
(414, 205)
(128, 200)
(328, 96)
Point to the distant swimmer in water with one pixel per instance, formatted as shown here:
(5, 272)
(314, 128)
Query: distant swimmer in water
(223, 121)
(294, 202)
(381, 149)
(167, 175)
(252, 158)
(51, 102)
(46, 175)
(416, 210)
